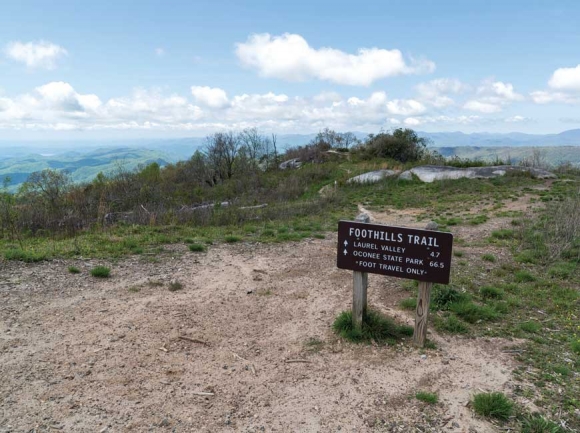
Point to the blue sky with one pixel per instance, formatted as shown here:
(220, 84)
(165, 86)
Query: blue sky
(72, 69)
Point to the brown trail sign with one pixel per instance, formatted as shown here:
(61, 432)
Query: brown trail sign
(423, 255)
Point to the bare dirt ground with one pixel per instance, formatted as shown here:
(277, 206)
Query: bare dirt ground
(79, 354)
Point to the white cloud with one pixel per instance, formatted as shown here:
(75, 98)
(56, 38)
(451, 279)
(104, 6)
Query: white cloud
(159, 52)
(546, 97)
(566, 79)
(290, 57)
(40, 54)
(492, 96)
(58, 106)
(435, 92)
(405, 107)
(482, 107)
(210, 97)
(518, 119)
(499, 91)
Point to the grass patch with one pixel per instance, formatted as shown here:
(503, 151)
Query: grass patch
(232, 239)
(452, 325)
(100, 272)
(442, 297)
(74, 270)
(134, 289)
(408, 304)
(175, 286)
(489, 292)
(538, 424)
(493, 405)
(488, 258)
(523, 276)
(458, 253)
(503, 234)
(530, 326)
(375, 327)
(427, 397)
(196, 248)
(473, 313)
(562, 270)
(24, 256)
(575, 346)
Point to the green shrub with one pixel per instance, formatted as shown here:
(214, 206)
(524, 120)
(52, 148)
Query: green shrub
(493, 405)
(575, 346)
(427, 397)
(100, 272)
(74, 270)
(375, 327)
(196, 248)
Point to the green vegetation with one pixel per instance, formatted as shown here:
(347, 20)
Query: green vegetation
(538, 424)
(493, 405)
(74, 270)
(100, 272)
(488, 257)
(196, 248)
(375, 327)
(427, 397)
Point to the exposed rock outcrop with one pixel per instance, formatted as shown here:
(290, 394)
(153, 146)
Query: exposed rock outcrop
(430, 173)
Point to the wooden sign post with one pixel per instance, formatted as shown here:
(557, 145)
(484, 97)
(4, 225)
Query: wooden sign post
(423, 255)
(359, 287)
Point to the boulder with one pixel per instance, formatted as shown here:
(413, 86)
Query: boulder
(291, 163)
(372, 176)
(430, 173)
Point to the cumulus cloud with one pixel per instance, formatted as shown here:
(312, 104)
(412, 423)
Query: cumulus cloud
(290, 57)
(566, 79)
(405, 107)
(59, 106)
(39, 54)
(210, 97)
(547, 97)
(492, 96)
(436, 92)
(482, 107)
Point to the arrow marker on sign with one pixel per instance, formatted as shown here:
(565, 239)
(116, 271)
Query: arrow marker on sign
(345, 252)
(345, 243)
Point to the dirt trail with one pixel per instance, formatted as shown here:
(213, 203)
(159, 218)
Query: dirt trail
(85, 355)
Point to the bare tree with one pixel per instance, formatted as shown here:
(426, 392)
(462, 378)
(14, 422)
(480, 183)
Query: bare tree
(221, 151)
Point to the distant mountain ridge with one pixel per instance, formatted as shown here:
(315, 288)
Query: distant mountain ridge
(85, 159)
